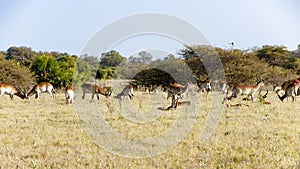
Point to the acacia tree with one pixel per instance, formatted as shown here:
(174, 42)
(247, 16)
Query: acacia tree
(111, 59)
(22, 55)
(274, 55)
(14, 74)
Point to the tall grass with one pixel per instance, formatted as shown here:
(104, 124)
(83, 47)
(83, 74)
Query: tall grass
(46, 133)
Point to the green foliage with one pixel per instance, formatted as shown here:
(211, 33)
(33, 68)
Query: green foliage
(239, 66)
(58, 72)
(22, 55)
(274, 55)
(84, 71)
(105, 73)
(111, 59)
(162, 72)
(15, 74)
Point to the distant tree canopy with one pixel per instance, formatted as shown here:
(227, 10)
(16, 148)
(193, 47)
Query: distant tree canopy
(239, 66)
(22, 55)
(111, 59)
(270, 63)
(274, 55)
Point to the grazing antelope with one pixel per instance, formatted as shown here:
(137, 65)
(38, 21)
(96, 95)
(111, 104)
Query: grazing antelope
(10, 90)
(177, 89)
(127, 91)
(204, 86)
(245, 90)
(69, 93)
(290, 90)
(41, 88)
(95, 89)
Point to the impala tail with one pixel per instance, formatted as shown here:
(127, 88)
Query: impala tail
(69, 94)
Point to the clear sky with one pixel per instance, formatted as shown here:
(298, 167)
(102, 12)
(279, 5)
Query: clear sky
(67, 25)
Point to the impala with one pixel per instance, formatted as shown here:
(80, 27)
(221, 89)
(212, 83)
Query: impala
(42, 87)
(95, 89)
(290, 89)
(177, 89)
(204, 86)
(69, 93)
(10, 90)
(285, 84)
(127, 91)
(245, 90)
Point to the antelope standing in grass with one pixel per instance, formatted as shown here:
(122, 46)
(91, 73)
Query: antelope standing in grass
(127, 91)
(69, 93)
(290, 88)
(245, 90)
(95, 89)
(176, 91)
(177, 88)
(10, 90)
(204, 86)
(42, 87)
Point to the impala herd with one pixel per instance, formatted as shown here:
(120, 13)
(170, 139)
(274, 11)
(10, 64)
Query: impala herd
(176, 91)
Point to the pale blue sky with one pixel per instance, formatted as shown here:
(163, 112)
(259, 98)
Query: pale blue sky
(67, 25)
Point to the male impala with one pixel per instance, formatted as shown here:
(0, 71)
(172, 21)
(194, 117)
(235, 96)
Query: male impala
(177, 89)
(127, 91)
(95, 89)
(204, 86)
(290, 88)
(69, 93)
(285, 85)
(42, 87)
(245, 90)
(10, 90)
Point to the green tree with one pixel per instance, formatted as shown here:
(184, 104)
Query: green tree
(111, 59)
(83, 71)
(14, 74)
(58, 72)
(22, 55)
(274, 55)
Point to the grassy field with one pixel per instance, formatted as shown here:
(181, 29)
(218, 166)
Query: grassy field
(46, 133)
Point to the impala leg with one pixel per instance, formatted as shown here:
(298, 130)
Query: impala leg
(93, 96)
(37, 95)
(83, 95)
(50, 93)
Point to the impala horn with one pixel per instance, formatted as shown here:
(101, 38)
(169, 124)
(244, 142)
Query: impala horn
(265, 96)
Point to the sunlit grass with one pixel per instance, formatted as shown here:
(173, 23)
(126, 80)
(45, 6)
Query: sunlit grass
(46, 133)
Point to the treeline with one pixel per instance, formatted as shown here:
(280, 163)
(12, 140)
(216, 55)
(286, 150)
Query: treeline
(23, 67)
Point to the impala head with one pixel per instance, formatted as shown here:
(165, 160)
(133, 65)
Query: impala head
(208, 86)
(259, 82)
(108, 91)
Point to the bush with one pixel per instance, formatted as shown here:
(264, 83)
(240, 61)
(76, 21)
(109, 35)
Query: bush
(14, 74)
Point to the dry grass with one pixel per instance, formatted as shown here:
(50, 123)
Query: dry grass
(46, 133)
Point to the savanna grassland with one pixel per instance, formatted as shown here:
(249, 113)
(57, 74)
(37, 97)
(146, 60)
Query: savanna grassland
(46, 133)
